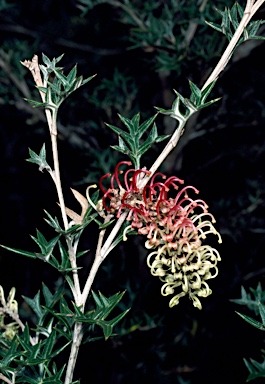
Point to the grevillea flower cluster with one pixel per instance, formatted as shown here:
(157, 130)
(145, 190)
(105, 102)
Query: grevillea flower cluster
(175, 226)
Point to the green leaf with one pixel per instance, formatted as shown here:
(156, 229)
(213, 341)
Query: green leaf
(10, 354)
(88, 79)
(122, 145)
(29, 380)
(130, 141)
(209, 103)
(45, 329)
(47, 294)
(59, 350)
(246, 299)
(20, 252)
(104, 306)
(70, 282)
(36, 104)
(105, 225)
(35, 305)
(199, 97)
(40, 159)
(119, 149)
(72, 75)
(161, 138)
(51, 64)
(53, 222)
(81, 253)
(61, 77)
(181, 109)
(253, 322)
(68, 335)
(65, 262)
(49, 344)
(120, 132)
(240, 10)
(50, 301)
(215, 26)
(46, 60)
(195, 93)
(262, 313)
(46, 247)
(61, 86)
(145, 125)
(256, 369)
(230, 22)
(206, 91)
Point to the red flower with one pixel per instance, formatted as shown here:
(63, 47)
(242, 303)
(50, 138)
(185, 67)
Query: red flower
(176, 226)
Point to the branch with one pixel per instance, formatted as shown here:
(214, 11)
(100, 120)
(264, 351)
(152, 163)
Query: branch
(250, 10)
(33, 66)
(77, 339)
(5, 379)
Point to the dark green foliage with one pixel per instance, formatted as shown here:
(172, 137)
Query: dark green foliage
(130, 142)
(165, 30)
(256, 369)
(23, 356)
(31, 359)
(183, 108)
(230, 21)
(104, 306)
(247, 300)
(61, 87)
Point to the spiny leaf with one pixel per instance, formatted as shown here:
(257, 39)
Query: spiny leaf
(20, 251)
(256, 369)
(36, 104)
(262, 313)
(35, 305)
(252, 321)
(39, 159)
(130, 141)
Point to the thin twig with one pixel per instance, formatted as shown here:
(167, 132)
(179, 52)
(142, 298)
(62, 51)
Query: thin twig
(51, 116)
(220, 66)
(130, 12)
(112, 235)
(5, 379)
(33, 66)
(250, 10)
(20, 84)
(97, 261)
(192, 28)
(72, 259)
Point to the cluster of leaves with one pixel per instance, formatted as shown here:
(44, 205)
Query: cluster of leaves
(123, 98)
(230, 21)
(254, 302)
(130, 142)
(31, 359)
(47, 247)
(165, 30)
(4, 5)
(183, 108)
(61, 87)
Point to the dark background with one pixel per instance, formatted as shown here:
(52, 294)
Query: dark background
(221, 154)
